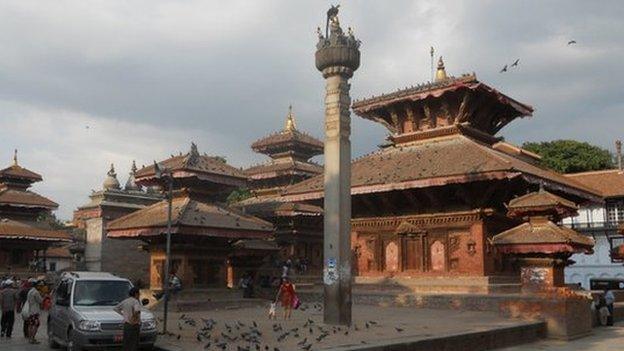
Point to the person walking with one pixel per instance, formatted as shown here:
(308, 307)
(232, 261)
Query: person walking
(609, 301)
(31, 315)
(130, 309)
(8, 303)
(287, 295)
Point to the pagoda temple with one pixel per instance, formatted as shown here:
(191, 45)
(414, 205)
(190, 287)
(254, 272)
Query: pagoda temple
(541, 247)
(24, 235)
(205, 234)
(428, 202)
(123, 257)
(298, 227)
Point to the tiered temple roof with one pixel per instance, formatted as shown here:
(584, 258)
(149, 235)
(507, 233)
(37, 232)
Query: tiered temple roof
(199, 181)
(190, 216)
(540, 235)
(290, 151)
(459, 154)
(193, 166)
(443, 133)
(20, 207)
(14, 183)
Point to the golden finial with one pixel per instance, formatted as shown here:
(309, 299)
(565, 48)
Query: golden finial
(15, 158)
(441, 72)
(290, 120)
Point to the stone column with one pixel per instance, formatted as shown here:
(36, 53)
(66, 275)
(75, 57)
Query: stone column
(337, 57)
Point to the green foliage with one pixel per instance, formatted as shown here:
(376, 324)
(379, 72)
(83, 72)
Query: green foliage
(571, 156)
(51, 221)
(221, 158)
(239, 194)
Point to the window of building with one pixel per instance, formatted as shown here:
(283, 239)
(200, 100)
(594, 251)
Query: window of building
(615, 211)
(52, 266)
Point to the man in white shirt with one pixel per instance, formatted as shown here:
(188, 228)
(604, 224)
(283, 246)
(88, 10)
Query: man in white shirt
(34, 300)
(130, 309)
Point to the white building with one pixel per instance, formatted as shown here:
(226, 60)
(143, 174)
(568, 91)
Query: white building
(600, 222)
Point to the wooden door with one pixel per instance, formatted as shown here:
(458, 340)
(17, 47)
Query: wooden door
(413, 254)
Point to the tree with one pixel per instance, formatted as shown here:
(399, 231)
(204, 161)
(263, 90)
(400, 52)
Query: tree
(239, 194)
(571, 156)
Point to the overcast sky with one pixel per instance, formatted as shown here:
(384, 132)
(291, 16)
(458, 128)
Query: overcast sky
(87, 83)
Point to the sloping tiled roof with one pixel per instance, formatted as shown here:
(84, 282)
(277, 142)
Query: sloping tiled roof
(288, 137)
(10, 229)
(542, 233)
(194, 163)
(540, 201)
(610, 183)
(59, 252)
(16, 171)
(188, 216)
(271, 207)
(25, 198)
(269, 170)
(433, 162)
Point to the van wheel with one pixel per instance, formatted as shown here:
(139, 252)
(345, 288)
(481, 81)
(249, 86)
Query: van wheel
(71, 344)
(51, 342)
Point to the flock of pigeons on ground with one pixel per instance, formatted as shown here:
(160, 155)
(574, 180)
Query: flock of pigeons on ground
(238, 336)
(517, 61)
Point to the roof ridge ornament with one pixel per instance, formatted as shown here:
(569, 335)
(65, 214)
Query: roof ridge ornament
(111, 182)
(15, 158)
(290, 121)
(192, 158)
(441, 72)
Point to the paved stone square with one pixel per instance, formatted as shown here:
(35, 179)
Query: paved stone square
(371, 324)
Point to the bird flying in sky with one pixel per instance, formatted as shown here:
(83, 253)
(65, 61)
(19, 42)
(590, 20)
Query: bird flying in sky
(572, 42)
(515, 64)
(504, 69)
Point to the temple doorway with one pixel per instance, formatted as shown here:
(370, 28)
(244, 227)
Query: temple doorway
(413, 254)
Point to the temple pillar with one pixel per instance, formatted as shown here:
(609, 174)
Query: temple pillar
(229, 274)
(337, 57)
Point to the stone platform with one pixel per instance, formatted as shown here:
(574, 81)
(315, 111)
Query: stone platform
(567, 317)
(374, 328)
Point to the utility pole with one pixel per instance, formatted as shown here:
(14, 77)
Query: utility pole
(337, 57)
(166, 176)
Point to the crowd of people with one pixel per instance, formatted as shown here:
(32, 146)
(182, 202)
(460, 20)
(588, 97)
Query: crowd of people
(23, 299)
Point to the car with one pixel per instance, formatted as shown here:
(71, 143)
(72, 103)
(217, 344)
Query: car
(82, 315)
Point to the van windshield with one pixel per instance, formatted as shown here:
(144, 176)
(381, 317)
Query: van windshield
(100, 292)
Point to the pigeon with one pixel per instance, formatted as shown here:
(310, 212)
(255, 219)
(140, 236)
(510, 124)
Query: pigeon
(572, 42)
(398, 329)
(504, 69)
(515, 64)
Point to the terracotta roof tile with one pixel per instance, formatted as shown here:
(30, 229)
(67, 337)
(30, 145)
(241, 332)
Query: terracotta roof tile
(288, 136)
(271, 207)
(60, 252)
(451, 159)
(25, 198)
(543, 232)
(194, 164)
(540, 199)
(16, 171)
(186, 213)
(610, 183)
(270, 170)
(10, 229)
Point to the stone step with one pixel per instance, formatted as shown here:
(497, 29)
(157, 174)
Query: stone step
(521, 333)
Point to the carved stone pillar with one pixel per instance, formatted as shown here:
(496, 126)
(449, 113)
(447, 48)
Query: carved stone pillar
(337, 57)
